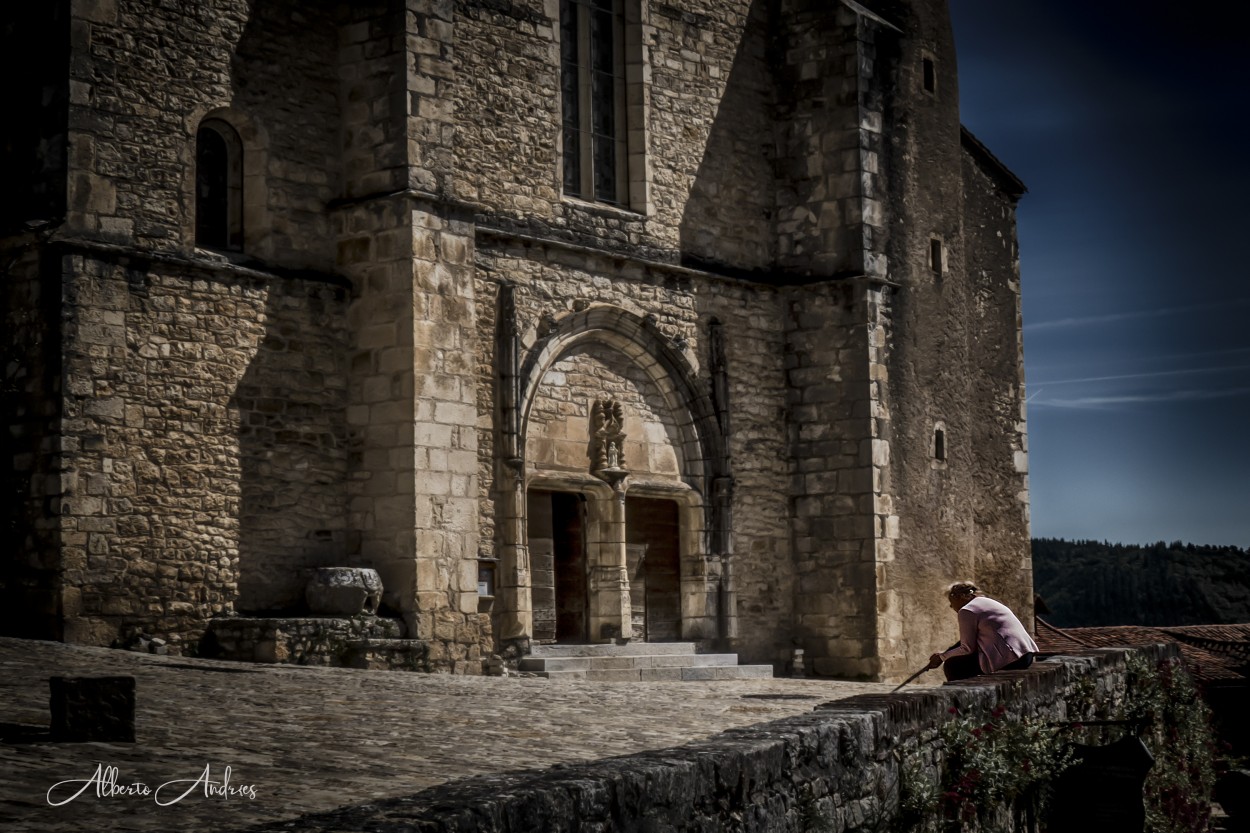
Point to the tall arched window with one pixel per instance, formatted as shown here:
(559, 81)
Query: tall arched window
(218, 186)
(602, 109)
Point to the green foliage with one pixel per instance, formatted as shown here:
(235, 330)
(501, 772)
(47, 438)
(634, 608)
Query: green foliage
(994, 767)
(918, 795)
(992, 763)
(1095, 583)
(1178, 788)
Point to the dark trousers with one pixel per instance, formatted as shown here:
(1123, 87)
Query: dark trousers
(961, 668)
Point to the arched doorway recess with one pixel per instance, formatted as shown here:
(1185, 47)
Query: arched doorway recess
(604, 487)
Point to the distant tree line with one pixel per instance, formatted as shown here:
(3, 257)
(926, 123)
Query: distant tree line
(1094, 583)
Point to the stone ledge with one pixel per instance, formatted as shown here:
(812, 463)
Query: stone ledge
(323, 641)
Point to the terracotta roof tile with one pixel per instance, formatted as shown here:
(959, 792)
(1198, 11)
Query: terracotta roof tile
(1212, 653)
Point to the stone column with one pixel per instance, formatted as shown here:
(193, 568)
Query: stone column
(444, 404)
(701, 589)
(514, 612)
(513, 607)
(830, 219)
(376, 250)
(413, 412)
(609, 609)
(843, 523)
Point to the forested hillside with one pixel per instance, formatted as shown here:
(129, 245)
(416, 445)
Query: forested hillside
(1091, 583)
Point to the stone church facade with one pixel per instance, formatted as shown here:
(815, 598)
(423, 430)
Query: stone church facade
(577, 320)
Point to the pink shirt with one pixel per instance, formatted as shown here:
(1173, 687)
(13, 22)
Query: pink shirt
(992, 629)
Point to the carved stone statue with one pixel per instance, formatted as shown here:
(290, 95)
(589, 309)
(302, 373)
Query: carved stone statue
(607, 440)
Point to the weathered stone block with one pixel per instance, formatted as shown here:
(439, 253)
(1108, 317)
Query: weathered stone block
(88, 709)
(344, 591)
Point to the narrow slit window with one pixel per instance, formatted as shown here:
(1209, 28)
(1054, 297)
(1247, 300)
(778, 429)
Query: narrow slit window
(935, 256)
(939, 445)
(218, 187)
(929, 73)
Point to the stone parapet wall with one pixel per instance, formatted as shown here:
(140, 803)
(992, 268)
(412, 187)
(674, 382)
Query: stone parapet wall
(836, 769)
(369, 642)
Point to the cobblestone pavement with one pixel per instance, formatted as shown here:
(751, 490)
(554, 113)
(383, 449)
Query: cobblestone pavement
(313, 739)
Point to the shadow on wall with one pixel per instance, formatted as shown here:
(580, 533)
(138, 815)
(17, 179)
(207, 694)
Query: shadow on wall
(30, 401)
(291, 400)
(293, 450)
(284, 80)
(728, 223)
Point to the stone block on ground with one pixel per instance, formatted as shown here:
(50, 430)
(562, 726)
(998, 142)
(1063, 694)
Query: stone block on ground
(93, 709)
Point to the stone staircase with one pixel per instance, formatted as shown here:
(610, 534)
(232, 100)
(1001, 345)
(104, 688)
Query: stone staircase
(637, 662)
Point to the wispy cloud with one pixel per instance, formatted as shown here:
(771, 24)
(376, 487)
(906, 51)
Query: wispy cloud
(1155, 374)
(1163, 397)
(1133, 315)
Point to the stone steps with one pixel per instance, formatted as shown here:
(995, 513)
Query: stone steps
(626, 650)
(637, 662)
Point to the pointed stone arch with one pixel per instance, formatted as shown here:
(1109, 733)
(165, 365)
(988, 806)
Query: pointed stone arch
(638, 340)
(701, 493)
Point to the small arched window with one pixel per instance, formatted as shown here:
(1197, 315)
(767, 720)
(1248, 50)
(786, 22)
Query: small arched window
(939, 444)
(218, 187)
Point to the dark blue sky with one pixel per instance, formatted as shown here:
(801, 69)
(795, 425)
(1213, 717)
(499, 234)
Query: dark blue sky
(1130, 124)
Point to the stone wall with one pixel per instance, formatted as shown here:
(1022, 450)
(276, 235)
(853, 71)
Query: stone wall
(30, 446)
(559, 436)
(700, 98)
(947, 361)
(321, 641)
(204, 453)
(754, 325)
(552, 282)
(838, 452)
(34, 46)
(1000, 501)
(836, 769)
(143, 77)
(711, 133)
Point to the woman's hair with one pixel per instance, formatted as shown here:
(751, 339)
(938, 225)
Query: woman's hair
(962, 588)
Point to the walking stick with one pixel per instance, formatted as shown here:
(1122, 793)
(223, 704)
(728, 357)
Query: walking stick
(912, 677)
